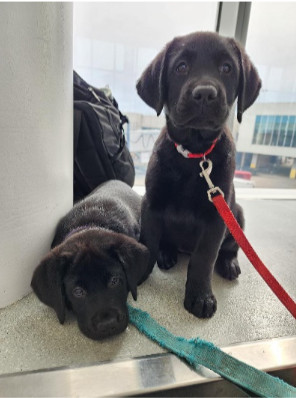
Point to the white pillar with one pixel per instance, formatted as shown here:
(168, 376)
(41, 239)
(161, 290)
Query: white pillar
(36, 145)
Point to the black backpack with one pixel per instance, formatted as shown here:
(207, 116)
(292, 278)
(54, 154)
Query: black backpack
(100, 151)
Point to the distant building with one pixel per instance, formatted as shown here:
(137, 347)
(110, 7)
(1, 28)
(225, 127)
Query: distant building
(266, 139)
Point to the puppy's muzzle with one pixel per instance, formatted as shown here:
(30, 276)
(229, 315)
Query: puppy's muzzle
(204, 94)
(109, 322)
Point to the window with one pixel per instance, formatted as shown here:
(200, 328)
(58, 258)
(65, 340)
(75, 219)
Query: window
(114, 42)
(275, 130)
(268, 128)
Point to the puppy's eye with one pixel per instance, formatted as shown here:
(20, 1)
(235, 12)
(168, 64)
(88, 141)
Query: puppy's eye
(114, 281)
(182, 68)
(79, 292)
(225, 68)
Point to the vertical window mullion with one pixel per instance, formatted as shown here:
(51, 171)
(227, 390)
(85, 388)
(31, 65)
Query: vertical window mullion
(293, 134)
(265, 128)
(286, 131)
(279, 131)
(272, 131)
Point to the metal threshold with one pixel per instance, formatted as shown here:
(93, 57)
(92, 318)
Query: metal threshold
(145, 375)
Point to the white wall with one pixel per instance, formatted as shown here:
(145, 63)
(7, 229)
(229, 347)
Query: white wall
(35, 136)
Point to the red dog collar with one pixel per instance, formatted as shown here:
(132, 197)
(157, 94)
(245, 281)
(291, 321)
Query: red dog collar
(188, 154)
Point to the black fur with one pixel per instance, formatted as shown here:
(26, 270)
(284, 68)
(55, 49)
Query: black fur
(95, 261)
(196, 78)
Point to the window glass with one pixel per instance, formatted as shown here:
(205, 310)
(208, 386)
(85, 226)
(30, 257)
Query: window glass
(115, 41)
(266, 142)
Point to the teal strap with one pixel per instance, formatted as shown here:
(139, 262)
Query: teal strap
(201, 352)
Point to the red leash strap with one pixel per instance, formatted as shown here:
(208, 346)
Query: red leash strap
(206, 166)
(243, 242)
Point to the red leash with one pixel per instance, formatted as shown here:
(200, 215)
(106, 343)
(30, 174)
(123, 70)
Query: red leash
(243, 242)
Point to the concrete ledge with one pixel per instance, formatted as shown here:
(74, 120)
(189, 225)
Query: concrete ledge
(251, 193)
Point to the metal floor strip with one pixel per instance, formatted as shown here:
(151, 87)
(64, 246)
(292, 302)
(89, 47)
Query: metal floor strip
(142, 375)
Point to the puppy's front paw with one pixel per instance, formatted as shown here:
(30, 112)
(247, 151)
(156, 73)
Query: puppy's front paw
(228, 268)
(201, 306)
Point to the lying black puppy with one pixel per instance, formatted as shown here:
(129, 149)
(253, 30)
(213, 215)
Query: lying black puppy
(96, 259)
(196, 78)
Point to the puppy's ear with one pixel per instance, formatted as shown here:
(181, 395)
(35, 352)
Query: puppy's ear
(47, 282)
(151, 85)
(134, 259)
(249, 81)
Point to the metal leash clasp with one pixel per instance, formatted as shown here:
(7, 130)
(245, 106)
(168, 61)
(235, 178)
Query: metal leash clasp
(206, 171)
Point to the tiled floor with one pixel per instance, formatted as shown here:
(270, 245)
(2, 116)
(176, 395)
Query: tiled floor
(32, 338)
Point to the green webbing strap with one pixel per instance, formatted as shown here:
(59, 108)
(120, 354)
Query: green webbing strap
(201, 352)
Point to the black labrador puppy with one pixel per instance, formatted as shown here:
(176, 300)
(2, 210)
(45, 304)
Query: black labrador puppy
(196, 79)
(95, 261)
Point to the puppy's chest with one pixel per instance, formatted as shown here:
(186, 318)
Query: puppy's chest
(188, 197)
(186, 213)
(189, 190)
(183, 224)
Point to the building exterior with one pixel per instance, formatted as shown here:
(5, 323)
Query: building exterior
(266, 139)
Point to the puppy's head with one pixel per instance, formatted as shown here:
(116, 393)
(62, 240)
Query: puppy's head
(197, 79)
(91, 274)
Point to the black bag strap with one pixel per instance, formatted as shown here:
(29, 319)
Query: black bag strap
(77, 123)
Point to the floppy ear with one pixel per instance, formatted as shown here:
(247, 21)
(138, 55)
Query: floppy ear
(151, 85)
(134, 259)
(249, 81)
(47, 282)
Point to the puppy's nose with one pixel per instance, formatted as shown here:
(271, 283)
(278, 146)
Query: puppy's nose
(206, 93)
(108, 320)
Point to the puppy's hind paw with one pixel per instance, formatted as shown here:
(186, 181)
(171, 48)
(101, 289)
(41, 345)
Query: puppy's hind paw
(228, 268)
(166, 259)
(201, 307)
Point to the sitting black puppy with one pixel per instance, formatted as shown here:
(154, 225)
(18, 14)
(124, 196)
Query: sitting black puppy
(95, 260)
(196, 79)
